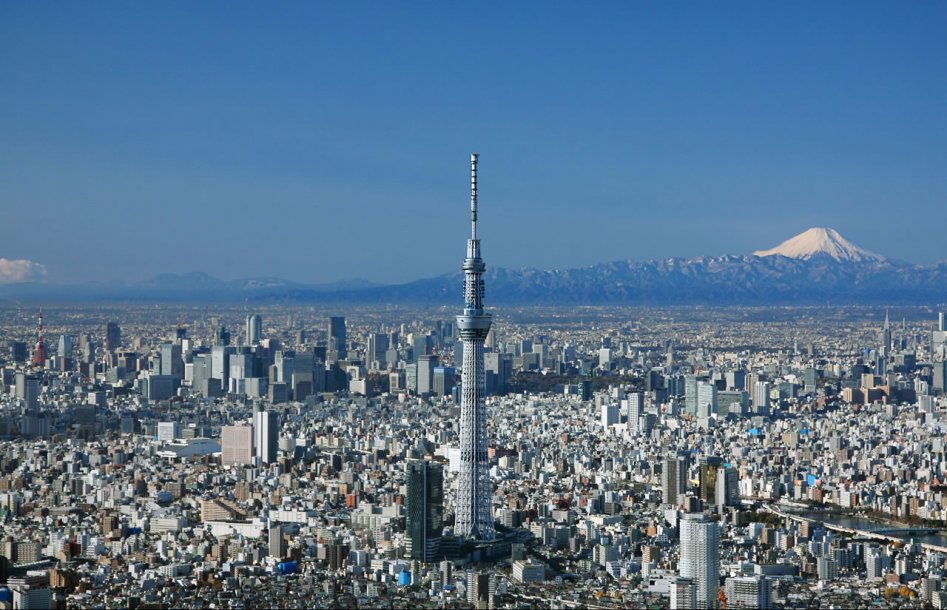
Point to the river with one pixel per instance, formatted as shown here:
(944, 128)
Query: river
(866, 524)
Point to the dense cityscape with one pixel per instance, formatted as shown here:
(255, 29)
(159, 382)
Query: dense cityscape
(199, 457)
(274, 333)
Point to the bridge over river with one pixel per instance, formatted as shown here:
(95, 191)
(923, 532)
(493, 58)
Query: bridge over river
(928, 537)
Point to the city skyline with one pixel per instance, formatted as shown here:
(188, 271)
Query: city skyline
(325, 125)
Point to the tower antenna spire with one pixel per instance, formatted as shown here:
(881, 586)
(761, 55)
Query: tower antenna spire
(473, 195)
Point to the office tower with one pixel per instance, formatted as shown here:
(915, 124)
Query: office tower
(221, 336)
(220, 363)
(609, 415)
(424, 515)
(376, 350)
(474, 515)
(886, 334)
(826, 568)
(673, 479)
(276, 541)
(727, 487)
(266, 430)
(171, 361)
(761, 390)
(736, 380)
(236, 445)
(426, 366)
(28, 389)
(700, 557)
(18, 351)
(113, 336)
(940, 377)
(690, 394)
(941, 322)
(254, 329)
(708, 469)
(337, 337)
(706, 399)
(635, 409)
(444, 379)
(64, 349)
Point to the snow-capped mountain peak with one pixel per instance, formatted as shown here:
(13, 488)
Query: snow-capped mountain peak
(821, 241)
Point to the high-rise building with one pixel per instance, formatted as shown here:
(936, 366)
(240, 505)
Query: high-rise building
(376, 350)
(690, 394)
(254, 329)
(425, 510)
(444, 379)
(236, 445)
(674, 479)
(336, 333)
(426, 366)
(700, 557)
(276, 541)
(171, 361)
(265, 435)
(635, 409)
(27, 389)
(728, 487)
(706, 399)
(886, 334)
(113, 336)
(826, 568)
(474, 514)
(18, 351)
(761, 390)
(708, 469)
(64, 349)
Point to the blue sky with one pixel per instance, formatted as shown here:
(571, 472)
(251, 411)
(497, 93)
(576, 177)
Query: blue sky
(323, 141)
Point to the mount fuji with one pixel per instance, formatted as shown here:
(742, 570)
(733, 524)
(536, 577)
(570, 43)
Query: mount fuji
(820, 241)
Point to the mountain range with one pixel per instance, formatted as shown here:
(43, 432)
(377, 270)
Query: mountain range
(818, 266)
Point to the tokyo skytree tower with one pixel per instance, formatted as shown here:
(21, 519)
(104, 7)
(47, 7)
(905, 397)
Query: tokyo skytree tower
(474, 514)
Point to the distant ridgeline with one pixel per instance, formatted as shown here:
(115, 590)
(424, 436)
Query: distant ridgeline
(816, 267)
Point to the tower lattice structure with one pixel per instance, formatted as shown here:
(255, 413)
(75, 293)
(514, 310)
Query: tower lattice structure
(474, 514)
